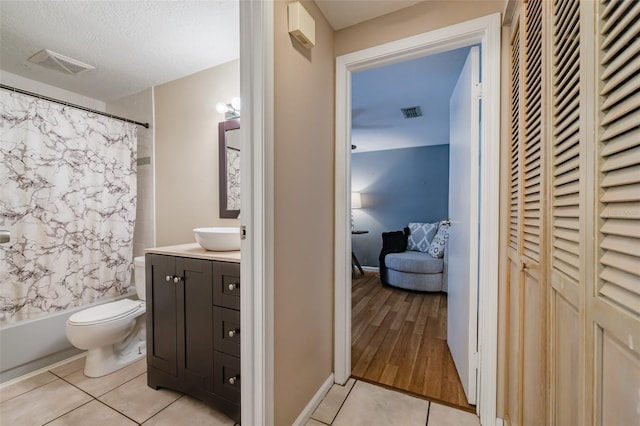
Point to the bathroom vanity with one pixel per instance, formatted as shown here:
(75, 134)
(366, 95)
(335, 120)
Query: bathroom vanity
(193, 324)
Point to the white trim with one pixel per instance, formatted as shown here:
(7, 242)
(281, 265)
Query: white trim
(499, 421)
(371, 268)
(314, 402)
(486, 31)
(42, 370)
(256, 297)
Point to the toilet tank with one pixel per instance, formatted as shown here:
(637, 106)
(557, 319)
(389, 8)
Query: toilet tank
(138, 277)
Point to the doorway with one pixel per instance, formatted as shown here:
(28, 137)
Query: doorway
(485, 32)
(401, 167)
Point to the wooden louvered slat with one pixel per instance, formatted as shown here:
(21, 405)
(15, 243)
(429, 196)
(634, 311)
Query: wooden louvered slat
(566, 152)
(619, 240)
(562, 223)
(620, 160)
(567, 200)
(621, 193)
(572, 187)
(625, 176)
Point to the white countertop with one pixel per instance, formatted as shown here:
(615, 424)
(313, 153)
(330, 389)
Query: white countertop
(194, 250)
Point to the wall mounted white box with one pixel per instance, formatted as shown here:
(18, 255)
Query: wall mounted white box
(301, 25)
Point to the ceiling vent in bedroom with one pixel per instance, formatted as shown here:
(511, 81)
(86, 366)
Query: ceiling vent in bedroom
(58, 62)
(411, 112)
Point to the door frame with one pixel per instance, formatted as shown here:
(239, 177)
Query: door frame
(486, 32)
(256, 267)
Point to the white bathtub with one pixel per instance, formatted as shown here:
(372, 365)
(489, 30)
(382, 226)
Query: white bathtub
(32, 344)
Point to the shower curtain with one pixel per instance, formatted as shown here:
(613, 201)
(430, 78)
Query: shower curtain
(68, 196)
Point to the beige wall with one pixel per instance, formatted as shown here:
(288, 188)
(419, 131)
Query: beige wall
(303, 184)
(186, 151)
(139, 107)
(423, 17)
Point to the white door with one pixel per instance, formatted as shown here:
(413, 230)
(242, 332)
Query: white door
(464, 184)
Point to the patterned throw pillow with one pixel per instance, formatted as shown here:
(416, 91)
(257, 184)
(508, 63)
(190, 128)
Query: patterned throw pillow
(436, 249)
(421, 236)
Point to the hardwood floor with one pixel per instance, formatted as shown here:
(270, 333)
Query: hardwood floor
(398, 339)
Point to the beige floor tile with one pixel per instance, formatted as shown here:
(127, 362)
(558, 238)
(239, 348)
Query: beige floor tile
(95, 414)
(332, 402)
(440, 415)
(25, 385)
(100, 385)
(137, 400)
(189, 411)
(314, 422)
(372, 405)
(70, 367)
(42, 404)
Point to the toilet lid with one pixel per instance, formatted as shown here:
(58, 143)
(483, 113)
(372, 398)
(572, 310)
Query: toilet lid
(105, 312)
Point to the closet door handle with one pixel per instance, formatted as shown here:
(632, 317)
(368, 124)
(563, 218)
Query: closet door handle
(169, 278)
(177, 279)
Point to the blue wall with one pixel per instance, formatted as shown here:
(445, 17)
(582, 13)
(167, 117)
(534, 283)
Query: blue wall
(397, 186)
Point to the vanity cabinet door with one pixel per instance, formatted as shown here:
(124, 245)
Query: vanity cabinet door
(195, 328)
(162, 314)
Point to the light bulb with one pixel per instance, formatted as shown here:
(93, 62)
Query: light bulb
(235, 103)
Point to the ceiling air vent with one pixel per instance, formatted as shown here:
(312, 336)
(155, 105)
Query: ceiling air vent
(411, 112)
(58, 62)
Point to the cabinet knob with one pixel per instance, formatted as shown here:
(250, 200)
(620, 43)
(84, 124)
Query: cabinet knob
(232, 380)
(177, 279)
(233, 332)
(169, 278)
(233, 287)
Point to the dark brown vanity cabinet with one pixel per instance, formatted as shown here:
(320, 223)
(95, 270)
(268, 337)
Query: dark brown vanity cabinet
(193, 329)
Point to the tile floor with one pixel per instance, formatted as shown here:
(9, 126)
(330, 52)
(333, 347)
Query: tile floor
(361, 403)
(63, 396)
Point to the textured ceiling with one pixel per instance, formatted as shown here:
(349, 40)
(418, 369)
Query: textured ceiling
(344, 13)
(378, 94)
(133, 44)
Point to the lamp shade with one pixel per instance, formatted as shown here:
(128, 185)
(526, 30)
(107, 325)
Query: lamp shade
(356, 200)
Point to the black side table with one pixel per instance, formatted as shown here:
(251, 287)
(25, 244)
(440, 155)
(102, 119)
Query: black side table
(354, 260)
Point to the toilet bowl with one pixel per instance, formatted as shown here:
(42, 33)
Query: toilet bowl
(114, 333)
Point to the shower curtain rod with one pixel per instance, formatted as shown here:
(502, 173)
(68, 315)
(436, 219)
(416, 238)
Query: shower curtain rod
(46, 98)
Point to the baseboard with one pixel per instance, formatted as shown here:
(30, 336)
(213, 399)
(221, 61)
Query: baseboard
(22, 373)
(314, 402)
(370, 268)
(499, 421)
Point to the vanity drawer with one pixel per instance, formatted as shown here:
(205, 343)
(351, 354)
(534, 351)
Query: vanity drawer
(226, 330)
(226, 291)
(226, 376)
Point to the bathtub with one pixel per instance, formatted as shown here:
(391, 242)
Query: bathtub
(32, 344)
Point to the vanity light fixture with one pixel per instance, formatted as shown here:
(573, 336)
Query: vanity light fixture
(230, 111)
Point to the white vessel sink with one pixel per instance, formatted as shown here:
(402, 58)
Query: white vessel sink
(223, 238)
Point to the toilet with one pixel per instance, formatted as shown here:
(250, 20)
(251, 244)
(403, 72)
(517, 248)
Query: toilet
(113, 333)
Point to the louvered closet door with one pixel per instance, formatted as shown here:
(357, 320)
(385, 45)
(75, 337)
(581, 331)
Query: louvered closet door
(513, 361)
(614, 308)
(526, 334)
(567, 268)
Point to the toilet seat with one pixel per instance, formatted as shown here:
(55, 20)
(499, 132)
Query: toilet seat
(106, 312)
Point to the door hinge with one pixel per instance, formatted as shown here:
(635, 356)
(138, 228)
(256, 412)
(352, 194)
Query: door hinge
(243, 232)
(477, 90)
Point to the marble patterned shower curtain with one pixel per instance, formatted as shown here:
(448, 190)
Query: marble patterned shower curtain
(68, 196)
